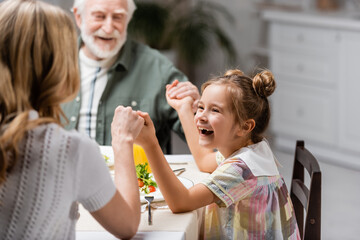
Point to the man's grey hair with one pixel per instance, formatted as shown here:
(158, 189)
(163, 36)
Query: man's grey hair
(80, 6)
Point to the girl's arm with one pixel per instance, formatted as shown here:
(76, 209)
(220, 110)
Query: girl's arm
(121, 216)
(176, 195)
(204, 158)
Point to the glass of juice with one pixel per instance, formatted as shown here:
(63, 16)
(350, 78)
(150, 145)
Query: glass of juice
(140, 156)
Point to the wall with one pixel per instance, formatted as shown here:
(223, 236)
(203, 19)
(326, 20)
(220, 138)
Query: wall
(246, 33)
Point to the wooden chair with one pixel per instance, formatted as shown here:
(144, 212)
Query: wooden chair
(306, 199)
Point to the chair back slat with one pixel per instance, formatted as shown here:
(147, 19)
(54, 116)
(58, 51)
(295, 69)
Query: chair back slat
(307, 160)
(306, 198)
(301, 192)
(313, 218)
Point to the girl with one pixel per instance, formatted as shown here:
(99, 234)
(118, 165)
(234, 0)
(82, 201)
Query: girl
(44, 170)
(245, 196)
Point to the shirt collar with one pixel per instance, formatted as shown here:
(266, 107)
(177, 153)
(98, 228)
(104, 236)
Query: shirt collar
(125, 57)
(259, 158)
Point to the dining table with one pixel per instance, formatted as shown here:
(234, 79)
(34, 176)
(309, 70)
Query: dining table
(165, 224)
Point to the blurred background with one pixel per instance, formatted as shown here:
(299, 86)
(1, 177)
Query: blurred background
(313, 49)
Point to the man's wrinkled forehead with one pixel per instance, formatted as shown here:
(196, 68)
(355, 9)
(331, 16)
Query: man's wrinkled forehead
(99, 9)
(103, 6)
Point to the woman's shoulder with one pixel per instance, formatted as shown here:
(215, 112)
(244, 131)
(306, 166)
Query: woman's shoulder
(75, 144)
(71, 137)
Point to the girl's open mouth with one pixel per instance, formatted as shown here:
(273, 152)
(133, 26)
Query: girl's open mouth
(204, 131)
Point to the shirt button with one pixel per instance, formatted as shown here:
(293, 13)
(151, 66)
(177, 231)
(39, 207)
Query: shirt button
(77, 99)
(73, 119)
(133, 103)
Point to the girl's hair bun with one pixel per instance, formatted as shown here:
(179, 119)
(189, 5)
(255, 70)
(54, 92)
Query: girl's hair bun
(234, 72)
(264, 83)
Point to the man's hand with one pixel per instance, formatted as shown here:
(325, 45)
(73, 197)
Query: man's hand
(179, 93)
(180, 90)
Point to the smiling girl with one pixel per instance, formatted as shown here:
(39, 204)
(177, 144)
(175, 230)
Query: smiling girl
(245, 196)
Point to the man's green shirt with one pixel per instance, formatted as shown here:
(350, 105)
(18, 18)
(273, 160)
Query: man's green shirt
(137, 79)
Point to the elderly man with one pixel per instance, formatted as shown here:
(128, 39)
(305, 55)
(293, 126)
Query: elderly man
(118, 71)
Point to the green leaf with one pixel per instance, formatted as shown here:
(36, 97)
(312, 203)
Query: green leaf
(147, 178)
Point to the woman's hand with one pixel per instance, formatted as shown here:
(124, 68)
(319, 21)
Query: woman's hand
(126, 125)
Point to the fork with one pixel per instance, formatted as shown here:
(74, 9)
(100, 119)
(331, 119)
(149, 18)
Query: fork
(179, 171)
(149, 199)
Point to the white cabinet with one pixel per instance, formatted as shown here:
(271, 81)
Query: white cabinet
(304, 112)
(350, 92)
(317, 99)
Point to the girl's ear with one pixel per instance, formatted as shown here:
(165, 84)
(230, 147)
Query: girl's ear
(246, 127)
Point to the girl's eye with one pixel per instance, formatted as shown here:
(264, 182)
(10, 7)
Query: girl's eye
(200, 108)
(215, 110)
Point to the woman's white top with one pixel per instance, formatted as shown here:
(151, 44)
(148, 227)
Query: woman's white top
(57, 169)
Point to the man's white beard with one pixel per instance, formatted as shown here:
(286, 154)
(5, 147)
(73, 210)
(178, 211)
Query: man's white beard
(89, 41)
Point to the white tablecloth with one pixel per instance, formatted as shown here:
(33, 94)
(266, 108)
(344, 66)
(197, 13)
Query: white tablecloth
(139, 236)
(166, 225)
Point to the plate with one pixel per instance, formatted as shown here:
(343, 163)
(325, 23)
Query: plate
(179, 158)
(157, 194)
(158, 197)
(108, 152)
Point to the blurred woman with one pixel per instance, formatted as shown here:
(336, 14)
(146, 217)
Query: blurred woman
(45, 170)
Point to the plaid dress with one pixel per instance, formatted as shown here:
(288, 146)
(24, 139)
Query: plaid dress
(254, 202)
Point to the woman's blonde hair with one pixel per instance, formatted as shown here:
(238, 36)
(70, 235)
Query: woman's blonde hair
(39, 70)
(248, 97)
